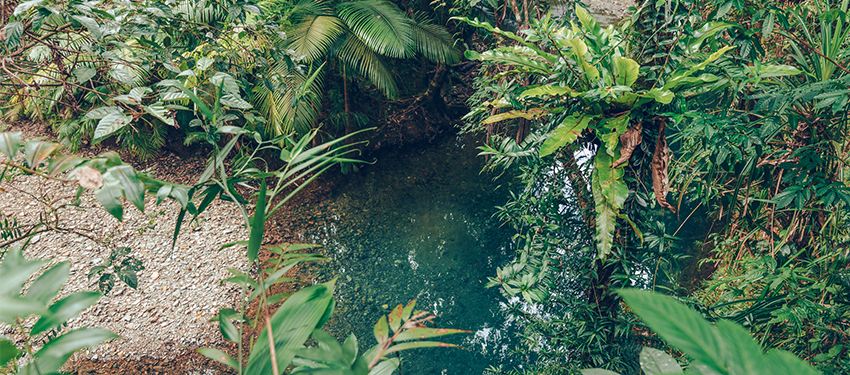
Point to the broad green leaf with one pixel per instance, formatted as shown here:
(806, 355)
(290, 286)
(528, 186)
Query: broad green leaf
(258, 223)
(26, 5)
(661, 96)
(62, 310)
(783, 362)
(547, 90)
(225, 80)
(169, 96)
(424, 333)
(220, 356)
(204, 63)
(15, 270)
(138, 93)
(528, 115)
(656, 362)
(294, 322)
(84, 74)
(8, 351)
(159, 111)
(394, 319)
(567, 132)
(626, 71)
(707, 30)
(742, 354)
(387, 367)
(49, 283)
(57, 351)
(101, 112)
(63, 164)
(349, 349)
(226, 327)
(120, 74)
(37, 151)
(405, 314)
(610, 133)
(609, 194)
(381, 330)
(520, 57)
(110, 196)
(234, 101)
(678, 325)
(419, 344)
(15, 307)
(129, 277)
(131, 186)
(677, 79)
(127, 99)
(10, 142)
(110, 124)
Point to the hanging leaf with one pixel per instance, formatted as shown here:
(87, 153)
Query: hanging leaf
(225, 80)
(138, 93)
(49, 283)
(57, 351)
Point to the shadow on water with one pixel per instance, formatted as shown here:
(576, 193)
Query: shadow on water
(417, 224)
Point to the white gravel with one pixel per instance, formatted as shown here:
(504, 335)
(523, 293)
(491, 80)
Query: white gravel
(179, 290)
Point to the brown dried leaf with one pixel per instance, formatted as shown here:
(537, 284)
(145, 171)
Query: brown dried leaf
(630, 140)
(89, 178)
(660, 159)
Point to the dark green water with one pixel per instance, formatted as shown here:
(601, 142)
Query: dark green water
(417, 224)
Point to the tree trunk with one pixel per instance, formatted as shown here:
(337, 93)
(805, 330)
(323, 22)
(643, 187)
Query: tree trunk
(348, 126)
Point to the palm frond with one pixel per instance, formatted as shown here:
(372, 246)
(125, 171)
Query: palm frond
(201, 11)
(380, 25)
(368, 63)
(276, 104)
(433, 41)
(311, 8)
(314, 35)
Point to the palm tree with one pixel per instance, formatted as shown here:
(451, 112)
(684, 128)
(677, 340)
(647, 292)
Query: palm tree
(361, 35)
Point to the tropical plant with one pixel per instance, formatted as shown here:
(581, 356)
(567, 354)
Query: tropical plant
(724, 348)
(360, 35)
(44, 349)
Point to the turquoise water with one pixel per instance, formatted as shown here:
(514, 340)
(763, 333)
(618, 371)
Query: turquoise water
(418, 224)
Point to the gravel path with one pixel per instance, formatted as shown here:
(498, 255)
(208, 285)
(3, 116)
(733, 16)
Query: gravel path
(179, 290)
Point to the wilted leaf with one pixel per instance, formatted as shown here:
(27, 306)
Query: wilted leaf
(629, 141)
(660, 159)
(84, 74)
(10, 143)
(37, 151)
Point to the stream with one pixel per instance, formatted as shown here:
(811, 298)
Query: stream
(418, 224)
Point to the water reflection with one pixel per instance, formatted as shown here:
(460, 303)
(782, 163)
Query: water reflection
(418, 224)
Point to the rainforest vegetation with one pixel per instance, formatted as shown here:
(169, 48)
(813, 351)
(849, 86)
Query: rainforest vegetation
(679, 178)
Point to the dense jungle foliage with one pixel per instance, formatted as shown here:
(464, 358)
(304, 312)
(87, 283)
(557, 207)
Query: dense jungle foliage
(697, 149)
